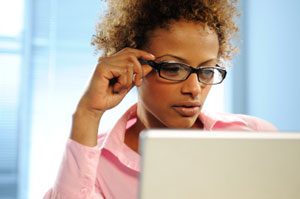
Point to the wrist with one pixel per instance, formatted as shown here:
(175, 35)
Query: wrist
(83, 109)
(85, 125)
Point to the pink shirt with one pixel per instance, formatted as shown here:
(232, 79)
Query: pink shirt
(111, 169)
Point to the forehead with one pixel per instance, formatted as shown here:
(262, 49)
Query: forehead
(184, 39)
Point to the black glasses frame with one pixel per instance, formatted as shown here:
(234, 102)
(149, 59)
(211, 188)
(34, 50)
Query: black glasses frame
(157, 67)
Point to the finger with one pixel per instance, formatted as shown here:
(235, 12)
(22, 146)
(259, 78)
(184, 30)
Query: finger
(130, 75)
(118, 86)
(125, 79)
(146, 70)
(130, 55)
(137, 68)
(136, 52)
(137, 71)
(113, 70)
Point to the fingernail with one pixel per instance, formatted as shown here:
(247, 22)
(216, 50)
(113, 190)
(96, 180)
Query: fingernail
(140, 81)
(152, 56)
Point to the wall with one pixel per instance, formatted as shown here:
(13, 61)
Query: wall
(268, 65)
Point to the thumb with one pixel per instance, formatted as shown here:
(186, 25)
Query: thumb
(146, 70)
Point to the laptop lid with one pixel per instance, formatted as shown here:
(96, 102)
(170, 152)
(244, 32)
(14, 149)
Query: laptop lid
(179, 164)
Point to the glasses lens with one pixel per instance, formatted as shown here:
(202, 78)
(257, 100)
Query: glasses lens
(178, 72)
(174, 71)
(211, 75)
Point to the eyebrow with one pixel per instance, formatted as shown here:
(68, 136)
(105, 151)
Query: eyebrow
(184, 60)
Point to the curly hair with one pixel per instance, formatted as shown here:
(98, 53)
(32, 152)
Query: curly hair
(126, 22)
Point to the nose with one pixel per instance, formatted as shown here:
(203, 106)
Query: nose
(191, 86)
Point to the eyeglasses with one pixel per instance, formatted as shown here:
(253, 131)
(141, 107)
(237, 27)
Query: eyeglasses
(174, 71)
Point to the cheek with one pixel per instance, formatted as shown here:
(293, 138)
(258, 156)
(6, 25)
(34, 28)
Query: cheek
(152, 90)
(205, 92)
(155, 90)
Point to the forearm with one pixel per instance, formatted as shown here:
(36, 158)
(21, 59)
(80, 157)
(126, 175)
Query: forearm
(85, 126)
(77, 174)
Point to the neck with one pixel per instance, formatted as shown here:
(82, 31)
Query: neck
(145, 121)
(132, 135)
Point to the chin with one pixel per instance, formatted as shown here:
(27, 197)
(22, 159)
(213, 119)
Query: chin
(182, 123)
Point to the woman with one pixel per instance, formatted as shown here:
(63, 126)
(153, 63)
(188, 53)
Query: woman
(169, 50)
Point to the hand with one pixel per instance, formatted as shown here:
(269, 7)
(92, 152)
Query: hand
(113, 78)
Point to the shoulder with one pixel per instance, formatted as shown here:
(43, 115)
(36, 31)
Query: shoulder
(253, 123)
(229, 121)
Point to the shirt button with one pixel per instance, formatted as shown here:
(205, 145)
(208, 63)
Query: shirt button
(84, 190)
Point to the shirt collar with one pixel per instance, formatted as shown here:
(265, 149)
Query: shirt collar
(114, 141)
(211, 120)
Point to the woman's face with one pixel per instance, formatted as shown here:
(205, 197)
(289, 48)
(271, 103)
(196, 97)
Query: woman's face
(164, 103)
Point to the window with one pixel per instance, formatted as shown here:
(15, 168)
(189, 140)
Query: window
(11, 26)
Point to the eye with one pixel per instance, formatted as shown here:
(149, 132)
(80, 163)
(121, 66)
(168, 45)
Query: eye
(172, 69)
(206, 73)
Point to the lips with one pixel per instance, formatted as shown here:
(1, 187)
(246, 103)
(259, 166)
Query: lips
(187, 109)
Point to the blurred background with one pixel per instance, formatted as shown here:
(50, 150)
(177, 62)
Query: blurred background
(46, 61)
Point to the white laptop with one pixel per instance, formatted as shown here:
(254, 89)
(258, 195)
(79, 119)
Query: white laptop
(187, 164)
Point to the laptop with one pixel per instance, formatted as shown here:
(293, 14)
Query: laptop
(190, 164)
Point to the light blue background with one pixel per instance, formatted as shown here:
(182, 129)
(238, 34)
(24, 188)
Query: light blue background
(265, 80)
(53, 58)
